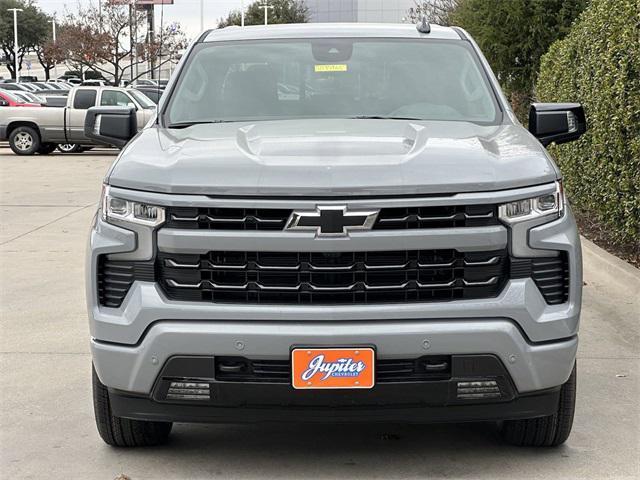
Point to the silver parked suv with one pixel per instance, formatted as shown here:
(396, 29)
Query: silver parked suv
(334, 223)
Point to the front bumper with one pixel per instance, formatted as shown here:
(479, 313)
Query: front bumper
(532, 367)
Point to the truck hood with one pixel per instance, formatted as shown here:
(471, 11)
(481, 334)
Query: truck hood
(332, 158)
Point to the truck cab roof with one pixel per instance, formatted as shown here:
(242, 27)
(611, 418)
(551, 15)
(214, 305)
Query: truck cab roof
(329, 30)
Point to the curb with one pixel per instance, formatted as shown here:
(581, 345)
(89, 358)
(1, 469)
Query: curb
(619, 273)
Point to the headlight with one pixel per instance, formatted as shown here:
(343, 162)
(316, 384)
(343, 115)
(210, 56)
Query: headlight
(549, 204)
(114, 208)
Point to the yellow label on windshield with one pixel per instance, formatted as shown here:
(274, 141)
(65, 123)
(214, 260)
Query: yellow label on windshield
(331, 68)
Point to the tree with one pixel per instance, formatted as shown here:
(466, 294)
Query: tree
(81, 47)
(436, 11)
(283, 11)
(514, 35)
(598, 65)
(33, 27)
(103, 43)
(49, 54)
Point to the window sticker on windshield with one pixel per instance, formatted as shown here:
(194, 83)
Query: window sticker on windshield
(331, 68)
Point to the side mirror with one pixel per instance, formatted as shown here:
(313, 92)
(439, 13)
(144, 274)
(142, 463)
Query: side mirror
(557, 122)
(111, 125)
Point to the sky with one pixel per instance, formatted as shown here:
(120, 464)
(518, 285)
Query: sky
(187, 12)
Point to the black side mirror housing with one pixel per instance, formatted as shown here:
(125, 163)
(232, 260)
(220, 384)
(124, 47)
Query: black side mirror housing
(557, 122)
(111, 125)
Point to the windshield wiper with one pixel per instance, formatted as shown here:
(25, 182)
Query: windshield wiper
(201, 122)
(382, 117)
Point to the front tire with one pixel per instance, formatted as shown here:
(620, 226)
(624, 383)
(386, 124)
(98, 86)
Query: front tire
(124, 432)
(548, 431)
(24, 141)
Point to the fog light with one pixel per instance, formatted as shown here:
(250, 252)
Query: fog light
(188, 391)
(478, 389)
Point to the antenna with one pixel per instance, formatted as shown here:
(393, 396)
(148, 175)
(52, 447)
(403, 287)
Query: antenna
(423, 26)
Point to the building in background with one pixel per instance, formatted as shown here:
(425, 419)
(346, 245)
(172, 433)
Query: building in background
(385, 11)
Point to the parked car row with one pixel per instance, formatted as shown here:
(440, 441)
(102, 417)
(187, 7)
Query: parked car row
(37, 92)
(15, 99)
(27, 99)
(35, 85)
(41, 130)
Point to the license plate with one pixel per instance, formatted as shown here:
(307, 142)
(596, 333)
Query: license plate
(317, 368)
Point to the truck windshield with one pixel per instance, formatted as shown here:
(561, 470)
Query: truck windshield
(142, 99)
(332, 78)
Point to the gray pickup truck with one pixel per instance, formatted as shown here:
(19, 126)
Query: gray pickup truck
(334, 223)
(40, 130)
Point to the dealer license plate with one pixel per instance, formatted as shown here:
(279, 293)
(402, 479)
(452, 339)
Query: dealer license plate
(317, 368)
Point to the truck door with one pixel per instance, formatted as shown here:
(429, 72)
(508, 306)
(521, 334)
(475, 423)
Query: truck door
(83, 99)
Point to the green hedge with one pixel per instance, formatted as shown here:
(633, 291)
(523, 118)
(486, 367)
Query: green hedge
(598, 65)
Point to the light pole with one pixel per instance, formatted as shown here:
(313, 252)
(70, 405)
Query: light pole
(242, 13)
(201, 16)
(134, 38)
(55, 64)
(15, 36)
(266, 7)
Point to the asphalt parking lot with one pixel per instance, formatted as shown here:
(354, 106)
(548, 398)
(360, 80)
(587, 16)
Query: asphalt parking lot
(46, 419)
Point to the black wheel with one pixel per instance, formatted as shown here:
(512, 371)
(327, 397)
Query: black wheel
(548, 431)
(69, 148)
(123, 432)
(24, 141)
(47, 148)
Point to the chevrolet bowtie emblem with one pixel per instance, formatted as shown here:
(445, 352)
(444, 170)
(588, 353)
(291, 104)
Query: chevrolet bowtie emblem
(331, 220)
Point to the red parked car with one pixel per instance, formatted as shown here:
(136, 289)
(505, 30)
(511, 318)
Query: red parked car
(9, 100)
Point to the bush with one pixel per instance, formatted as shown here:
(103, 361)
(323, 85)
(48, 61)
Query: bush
(514, 34)
(598, 65)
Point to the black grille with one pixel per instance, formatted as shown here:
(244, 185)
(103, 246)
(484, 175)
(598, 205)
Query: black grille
(275, 219)
(423, 369)
(115, 279)
(332, 278)
(551, 275)
(437, 217)
(226, 218)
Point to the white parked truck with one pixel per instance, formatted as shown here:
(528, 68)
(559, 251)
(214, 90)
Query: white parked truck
(42, 129)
